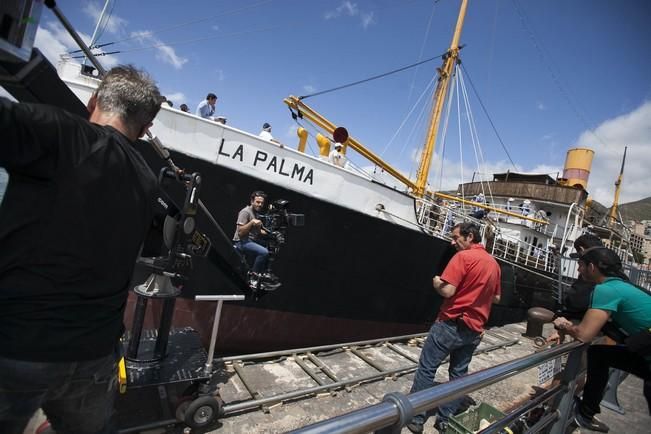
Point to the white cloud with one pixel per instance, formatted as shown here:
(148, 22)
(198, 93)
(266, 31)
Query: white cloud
(345, 8)
(309, 88)
(54, 41)
(113, 24)
(367, 19)
(350, 9)
(633, 130)
(220, 74)
(176, 97)
(166, 53)
(541, 106)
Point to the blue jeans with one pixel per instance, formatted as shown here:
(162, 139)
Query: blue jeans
(77, 397)
(251, 249)
(444, 338)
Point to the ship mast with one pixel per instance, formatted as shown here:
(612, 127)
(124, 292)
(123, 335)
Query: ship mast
(445, 72)
(618, 184)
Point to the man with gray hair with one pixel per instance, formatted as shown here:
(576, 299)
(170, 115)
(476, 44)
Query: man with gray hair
(79, 202)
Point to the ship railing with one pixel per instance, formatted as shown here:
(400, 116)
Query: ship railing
(438, 220)
(396, 409)
(514, 250)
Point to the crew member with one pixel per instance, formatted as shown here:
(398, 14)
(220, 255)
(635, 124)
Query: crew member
(336, 157)
(470, 284)
(77, 208)
(249, 229)
(576, 301)
(206, 109)
(266, 132)
(629, 307)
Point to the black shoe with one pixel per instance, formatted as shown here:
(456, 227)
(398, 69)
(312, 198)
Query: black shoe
(441, 426)
(583, 421)
(592, 423)
(415, 427)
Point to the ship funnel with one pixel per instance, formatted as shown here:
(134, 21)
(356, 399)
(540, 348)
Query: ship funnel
(577, 167)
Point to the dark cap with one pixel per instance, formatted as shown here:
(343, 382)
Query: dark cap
(575, 255)
(265, 126)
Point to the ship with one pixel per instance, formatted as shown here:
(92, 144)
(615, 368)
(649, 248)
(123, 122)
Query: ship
(361, 267)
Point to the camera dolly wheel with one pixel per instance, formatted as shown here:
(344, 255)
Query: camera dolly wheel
(200, 412)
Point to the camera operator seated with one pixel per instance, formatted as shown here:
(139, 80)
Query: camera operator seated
(248, 231)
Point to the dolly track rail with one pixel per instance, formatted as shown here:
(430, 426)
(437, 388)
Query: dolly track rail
(330, 383)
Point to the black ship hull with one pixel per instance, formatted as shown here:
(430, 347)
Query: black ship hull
(346, 276)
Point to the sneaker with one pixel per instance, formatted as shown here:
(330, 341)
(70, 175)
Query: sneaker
(269, 286)
(254, 280)
(415, 427)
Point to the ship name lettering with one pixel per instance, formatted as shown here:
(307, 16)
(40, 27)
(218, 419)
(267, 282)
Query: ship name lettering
(298, 171)
(239, 152)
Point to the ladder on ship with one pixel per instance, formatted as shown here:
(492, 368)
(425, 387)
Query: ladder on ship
(265, 380)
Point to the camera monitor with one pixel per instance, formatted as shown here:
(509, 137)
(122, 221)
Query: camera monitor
(18, 24)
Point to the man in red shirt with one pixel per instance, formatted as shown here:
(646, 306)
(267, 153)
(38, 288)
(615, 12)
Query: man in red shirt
(470, 284)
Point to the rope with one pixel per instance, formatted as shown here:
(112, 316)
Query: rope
(555, 78)
(481, 103)
(463, 194)
(422, 49)
(445, 133)
(375, 77)
(479, 156)
(407, 116)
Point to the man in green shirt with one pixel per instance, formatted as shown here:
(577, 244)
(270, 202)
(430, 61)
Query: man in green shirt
(629, 307)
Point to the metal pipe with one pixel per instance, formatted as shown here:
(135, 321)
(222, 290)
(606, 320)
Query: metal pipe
(136, 327)
(382, 415)
(164, 328)
(220, 299)
(66, 24)
(149, 426)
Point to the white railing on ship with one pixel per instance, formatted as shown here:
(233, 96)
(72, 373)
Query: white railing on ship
(439, 219)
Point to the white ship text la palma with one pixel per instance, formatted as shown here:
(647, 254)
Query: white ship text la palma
(267, 161)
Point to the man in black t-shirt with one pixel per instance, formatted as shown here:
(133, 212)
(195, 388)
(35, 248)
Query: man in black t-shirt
(77, 208)
(576, 301)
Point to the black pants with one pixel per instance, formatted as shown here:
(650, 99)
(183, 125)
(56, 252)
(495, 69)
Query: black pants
(600, 359)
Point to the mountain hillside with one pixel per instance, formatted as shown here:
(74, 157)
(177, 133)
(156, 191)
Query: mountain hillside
(638, 210)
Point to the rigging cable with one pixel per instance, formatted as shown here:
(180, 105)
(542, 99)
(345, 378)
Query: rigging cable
(479, 155)
(375, 77)
(555, 78)
(445, 131)
(481, 103)
(463, 194)
(408, 115)
(422, 49)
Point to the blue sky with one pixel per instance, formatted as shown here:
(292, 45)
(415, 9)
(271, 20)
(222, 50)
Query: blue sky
(552, 74)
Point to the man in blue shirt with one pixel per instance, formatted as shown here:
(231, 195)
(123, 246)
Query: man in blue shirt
(206, 109)
(629, 307)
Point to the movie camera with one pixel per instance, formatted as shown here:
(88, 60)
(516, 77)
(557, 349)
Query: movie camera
(276, 221)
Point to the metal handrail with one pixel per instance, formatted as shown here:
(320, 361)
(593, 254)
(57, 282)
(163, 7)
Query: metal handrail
(397, 409)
